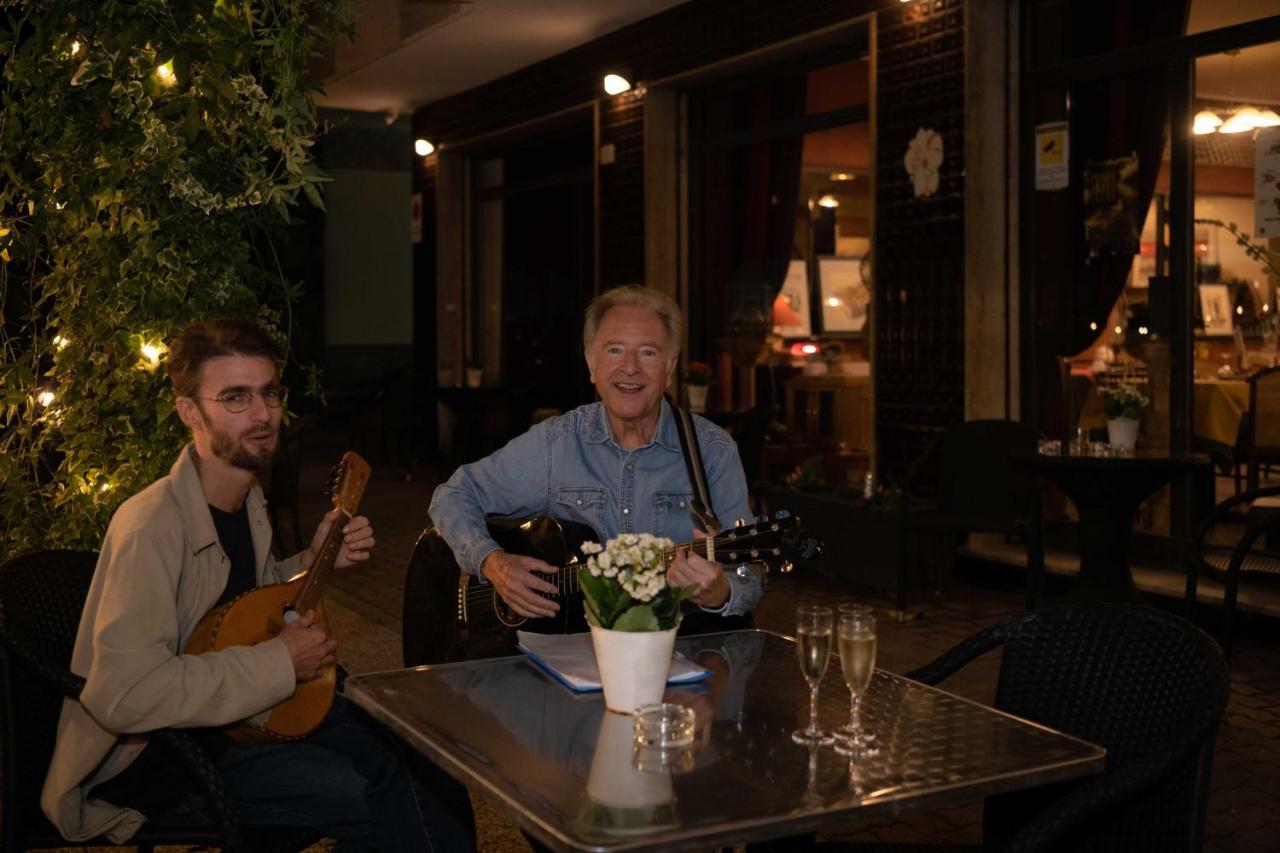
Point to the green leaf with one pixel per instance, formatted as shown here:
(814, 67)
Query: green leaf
(637, 618)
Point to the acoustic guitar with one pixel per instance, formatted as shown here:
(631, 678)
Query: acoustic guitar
(262, 613)
(450, 615)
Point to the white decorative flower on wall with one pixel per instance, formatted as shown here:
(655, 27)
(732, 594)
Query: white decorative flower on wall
(923, 157)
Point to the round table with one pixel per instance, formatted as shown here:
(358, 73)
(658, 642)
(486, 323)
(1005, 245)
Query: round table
(1107, 492)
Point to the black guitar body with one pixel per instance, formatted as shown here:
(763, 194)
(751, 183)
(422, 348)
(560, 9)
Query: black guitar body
(450, 616)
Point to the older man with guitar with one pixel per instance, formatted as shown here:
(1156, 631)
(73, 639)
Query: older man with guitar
(614, 466)
(190, 622)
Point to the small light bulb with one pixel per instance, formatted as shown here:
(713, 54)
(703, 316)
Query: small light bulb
(1240, 309)
(165, 75)
(833, 302)
(106, 487)
(423, 147)
(1093, 327)
(1142, 330)
(809, 349)
(151, 353)
(616, 84)
(45, 398)
(60, 342)
(75, 47)
(828, 201)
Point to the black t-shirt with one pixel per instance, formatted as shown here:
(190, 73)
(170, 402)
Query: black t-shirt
(155, 780)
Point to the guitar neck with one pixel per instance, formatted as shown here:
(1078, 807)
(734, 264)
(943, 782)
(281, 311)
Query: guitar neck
(567, 580)
(321, 566)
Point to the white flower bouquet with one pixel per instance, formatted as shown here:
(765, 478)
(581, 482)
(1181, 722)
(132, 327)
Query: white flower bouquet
(1123, 401)
(624, 584)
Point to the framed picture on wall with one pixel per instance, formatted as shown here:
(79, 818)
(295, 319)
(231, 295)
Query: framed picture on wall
(845, 295)
(1215, 306)
(791, 307)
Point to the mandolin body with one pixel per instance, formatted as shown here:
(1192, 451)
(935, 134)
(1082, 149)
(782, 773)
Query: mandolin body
(255, 616)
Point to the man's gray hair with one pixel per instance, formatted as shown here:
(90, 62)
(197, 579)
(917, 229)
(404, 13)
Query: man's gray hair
(639, 297)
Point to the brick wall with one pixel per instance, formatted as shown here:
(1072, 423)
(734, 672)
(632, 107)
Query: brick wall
(919, 242)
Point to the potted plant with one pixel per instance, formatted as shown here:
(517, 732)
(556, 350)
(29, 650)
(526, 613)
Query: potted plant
(1123, 404)
(633, 615)
(696, 382)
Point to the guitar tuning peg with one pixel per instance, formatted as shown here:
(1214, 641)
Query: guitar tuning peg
(763, 518)
(740, 522)
(781, 514)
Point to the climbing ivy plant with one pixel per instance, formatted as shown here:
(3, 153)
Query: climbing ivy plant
(149, 152)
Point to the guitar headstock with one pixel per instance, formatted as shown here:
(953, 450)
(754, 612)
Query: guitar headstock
(347, 480)
(775, 543)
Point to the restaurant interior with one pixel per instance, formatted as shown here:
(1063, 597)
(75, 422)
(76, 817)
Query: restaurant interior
(987, 294)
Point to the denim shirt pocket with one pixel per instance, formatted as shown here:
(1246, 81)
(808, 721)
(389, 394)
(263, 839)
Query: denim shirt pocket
(583, 504)
(671, 514)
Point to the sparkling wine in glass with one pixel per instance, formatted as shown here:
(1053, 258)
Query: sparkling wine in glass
(856, 635)
(813, 649)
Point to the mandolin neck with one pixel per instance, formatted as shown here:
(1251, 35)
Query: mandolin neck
(321, 566)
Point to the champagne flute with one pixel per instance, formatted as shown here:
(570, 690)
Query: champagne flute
(856, 635)
(813, 648)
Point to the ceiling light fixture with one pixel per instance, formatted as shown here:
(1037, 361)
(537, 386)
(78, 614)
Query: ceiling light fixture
(616, 83)
(422, 147)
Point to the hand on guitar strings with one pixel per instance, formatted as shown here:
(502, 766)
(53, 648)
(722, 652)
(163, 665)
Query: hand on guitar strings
(309, 646)
(357, 540)
(688, 568)
(512, 575)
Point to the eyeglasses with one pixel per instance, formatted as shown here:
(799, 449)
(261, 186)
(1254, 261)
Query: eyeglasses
(236, 402)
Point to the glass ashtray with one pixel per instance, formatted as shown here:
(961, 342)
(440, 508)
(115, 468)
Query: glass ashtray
(664, 725)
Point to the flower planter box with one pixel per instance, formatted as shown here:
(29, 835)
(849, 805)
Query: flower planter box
(876, 546)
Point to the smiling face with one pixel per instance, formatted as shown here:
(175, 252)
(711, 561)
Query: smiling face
(246, 440)
(631, 362)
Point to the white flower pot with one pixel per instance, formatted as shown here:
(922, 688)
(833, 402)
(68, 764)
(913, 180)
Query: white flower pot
(697, 395)
(1122, 432)
(633, 666)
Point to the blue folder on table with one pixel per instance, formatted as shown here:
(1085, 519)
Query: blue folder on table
(571, 660)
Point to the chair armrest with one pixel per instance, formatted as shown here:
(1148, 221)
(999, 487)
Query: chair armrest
(1221, 510)
(957, 656)
(188, 752)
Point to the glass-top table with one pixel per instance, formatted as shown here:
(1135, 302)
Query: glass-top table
(570, 774)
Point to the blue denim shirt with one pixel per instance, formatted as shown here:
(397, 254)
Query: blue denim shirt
(571, 468)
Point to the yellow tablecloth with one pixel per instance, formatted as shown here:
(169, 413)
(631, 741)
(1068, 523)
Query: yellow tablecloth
(1216, 409)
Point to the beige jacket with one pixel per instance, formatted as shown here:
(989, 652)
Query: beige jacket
(160, 570)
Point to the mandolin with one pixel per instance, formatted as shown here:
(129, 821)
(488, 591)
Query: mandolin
(262, 613)
(449, 615)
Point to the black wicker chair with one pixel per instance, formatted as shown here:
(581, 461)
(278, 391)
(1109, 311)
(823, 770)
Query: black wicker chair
(1147, 686)
(41, 598)
(1248, 558)
(974, 485)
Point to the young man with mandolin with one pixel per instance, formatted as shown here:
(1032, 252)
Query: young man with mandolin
(615, 465)
(195, 540)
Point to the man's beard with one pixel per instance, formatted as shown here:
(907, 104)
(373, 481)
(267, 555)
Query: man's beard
(231, 451)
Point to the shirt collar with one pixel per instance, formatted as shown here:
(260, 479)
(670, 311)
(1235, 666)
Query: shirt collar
(665, 436)
(194, 506)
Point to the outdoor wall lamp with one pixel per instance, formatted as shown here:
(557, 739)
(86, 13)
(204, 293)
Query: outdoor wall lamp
(615, 83)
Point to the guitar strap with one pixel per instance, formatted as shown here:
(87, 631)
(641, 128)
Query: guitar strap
(701, 503)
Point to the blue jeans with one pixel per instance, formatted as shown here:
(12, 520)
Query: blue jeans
(351, 781)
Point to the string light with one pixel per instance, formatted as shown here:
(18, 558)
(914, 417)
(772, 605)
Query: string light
(165, 75)
(76, 47)
(1119, 330)
(61, 342)
(1142, 330)
(45, 398)
(152, 353)
(1240, 310)
(1093, 327)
